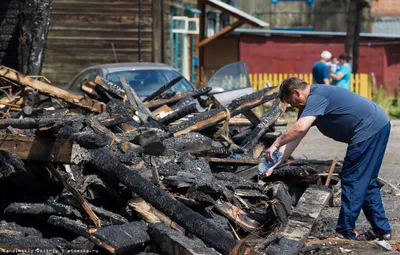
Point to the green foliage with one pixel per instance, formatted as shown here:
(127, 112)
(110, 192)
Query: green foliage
(387, 103)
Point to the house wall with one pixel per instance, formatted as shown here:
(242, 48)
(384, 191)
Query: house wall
(282, 54)
(220, 52)
(385, 8)
(83, 33)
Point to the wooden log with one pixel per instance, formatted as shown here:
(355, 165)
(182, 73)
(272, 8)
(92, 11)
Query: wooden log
(77, 195)
(188, 99)
(394, 190)
(163, 88)
(37, 148)
(192, 142)
(301, 221)
(152, 215)
(102, 161)
(162, 111)
(32, 209)
(171, 242)
(179, 113)
(49, 90)
(267, 120)
(153, 104)
(236, 107)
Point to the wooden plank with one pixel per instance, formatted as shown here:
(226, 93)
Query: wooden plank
(171, 242)
(232, 162)
(52, 91)
(301, 221)
(238, 216)
(152, 215)
(221, 32)
(37, 148)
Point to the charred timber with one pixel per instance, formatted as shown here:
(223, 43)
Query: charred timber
(179, 113)
(13, 76)
(102, 161)
(163, 88)
(154, 104)
(267, 120)
(236, 107)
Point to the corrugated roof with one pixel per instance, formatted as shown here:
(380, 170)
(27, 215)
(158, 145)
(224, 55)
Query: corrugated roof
(387, 25)
(224, 7)
(267, 32)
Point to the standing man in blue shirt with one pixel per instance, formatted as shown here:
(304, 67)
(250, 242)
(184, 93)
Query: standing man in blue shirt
(320, 70)
(349, 118)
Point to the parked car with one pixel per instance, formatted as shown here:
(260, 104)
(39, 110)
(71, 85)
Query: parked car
(228, 83)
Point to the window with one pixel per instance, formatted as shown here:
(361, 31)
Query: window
(146, 82)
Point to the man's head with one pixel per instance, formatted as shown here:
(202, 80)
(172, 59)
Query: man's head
(326, 55)
(294, 91)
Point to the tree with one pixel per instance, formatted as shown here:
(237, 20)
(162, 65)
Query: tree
(354, 18)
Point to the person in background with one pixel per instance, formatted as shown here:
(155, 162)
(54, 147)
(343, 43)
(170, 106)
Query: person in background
(333, 65)
(343, 74)
(320, 70)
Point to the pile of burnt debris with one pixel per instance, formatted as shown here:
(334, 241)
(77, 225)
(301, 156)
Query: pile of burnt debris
(104, 171)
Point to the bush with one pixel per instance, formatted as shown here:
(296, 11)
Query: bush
(387, 103)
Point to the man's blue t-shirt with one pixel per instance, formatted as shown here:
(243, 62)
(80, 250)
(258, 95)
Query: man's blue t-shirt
(345, 81)
(343, 115)
(320, 72)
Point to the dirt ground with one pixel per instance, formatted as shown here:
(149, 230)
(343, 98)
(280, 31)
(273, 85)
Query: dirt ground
(317, 146)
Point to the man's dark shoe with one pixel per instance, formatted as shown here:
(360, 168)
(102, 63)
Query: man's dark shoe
(370, 235)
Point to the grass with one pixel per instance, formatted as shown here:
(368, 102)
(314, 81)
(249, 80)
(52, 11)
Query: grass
(387, 102)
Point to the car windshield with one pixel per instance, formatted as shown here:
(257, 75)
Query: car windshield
(146, 82)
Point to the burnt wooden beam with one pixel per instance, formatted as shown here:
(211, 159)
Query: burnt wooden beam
(82, 201)
(236, 107)
(154, 104)
(13, 76)
(39, 36)
(163, 88)
(102, 161)
(267, 120)
(171, 242)
(118, 239)
(301, 221)
(232, 162)
(252, 117)
(142, 111)
(37, 148)
(192, 142)
(38, 209)
(179, 113)
(110, 87)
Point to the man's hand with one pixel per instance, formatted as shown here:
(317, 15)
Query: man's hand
(269, 152)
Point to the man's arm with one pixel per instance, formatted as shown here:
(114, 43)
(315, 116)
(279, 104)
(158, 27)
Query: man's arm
(326, 81)
(296, 131)
(286, 150)
(326, 75)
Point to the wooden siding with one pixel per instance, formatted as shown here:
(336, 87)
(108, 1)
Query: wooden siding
(81, 34)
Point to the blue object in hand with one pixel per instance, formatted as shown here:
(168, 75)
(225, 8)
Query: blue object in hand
(264, 165)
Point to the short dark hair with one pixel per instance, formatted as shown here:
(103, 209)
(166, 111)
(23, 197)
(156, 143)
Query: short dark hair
(288, 86)
(345, 57)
